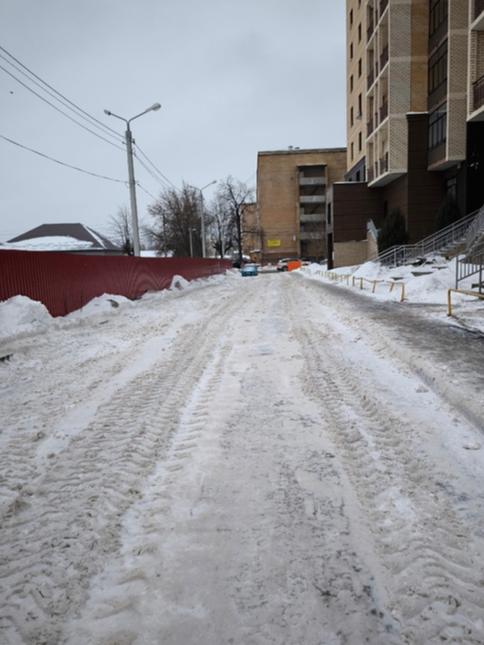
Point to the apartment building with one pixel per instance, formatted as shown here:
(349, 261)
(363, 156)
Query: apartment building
(423, 106)
(291, 200)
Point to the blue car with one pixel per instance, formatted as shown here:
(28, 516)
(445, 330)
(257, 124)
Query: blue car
(249, 269)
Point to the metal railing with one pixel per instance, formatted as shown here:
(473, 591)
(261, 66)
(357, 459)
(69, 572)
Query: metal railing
(472, 260)
(454, 234)
(478, 93)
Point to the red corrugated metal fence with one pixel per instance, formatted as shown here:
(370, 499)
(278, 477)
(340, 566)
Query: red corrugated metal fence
(64, 282)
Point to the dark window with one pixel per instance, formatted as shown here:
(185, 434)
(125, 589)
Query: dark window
(438, 127)
(360, 104)
(451, 187)
(438, 68)
(352, 151)
(359, 141)
(351, 51)
(358, 175)
(351, 18)
(360, 68)
(438, 14)
(351, 83)
(351, 117)
(359, 33)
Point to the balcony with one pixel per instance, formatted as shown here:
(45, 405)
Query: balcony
(383, 6)
(383, 111)
(384, 164)
(370, 174)
(478, 93)
(478, 8)
(384, 57)
(370, 79)
(369, 31)
(312, 199)
(369, 127)
(313, 235)
(312, 181)
(307, 218)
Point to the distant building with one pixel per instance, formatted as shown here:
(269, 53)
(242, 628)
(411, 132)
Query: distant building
(251, 232)
(64, 238)
(291, 201)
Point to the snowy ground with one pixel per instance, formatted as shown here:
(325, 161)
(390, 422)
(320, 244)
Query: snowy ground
(280, 459)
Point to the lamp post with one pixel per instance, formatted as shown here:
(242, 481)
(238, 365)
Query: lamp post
(202, 213)
(132, 183)
(190, 231)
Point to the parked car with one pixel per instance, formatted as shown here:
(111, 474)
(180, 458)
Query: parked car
(282, 264)
(249, 269)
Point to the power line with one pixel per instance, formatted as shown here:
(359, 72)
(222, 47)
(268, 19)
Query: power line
(152, 174)
(58, 109)
(145, 191)
(153, 165)
(41, 154)
(103, 125)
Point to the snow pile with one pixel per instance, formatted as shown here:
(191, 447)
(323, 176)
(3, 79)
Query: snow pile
(105, 304)
(20, 315)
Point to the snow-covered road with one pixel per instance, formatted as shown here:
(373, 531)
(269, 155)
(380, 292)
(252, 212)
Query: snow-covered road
(256, 461)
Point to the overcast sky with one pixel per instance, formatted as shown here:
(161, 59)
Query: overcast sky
(234, 77)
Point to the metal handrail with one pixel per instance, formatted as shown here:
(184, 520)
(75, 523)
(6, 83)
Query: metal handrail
(464, 293)
(436, 242)
(468, 266)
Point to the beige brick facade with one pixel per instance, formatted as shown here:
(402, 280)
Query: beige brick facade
(356, 116)
(291, 200)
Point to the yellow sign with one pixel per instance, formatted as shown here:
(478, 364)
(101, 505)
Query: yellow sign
(273, 242)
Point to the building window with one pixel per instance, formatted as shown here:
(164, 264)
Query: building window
(451, 187)
(438, 14)
(438, 127)
(360, 68)
(351, 118)
(438, 68)
(360, 105)
(359, 142)
(352, 151)
(359, 33)
(351, 18)
(351, 51)
(351, 83)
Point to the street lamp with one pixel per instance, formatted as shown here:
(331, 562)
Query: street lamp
(132, 183)
(202, 213)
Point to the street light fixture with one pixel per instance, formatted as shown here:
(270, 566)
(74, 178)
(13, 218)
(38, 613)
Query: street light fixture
(132, 183)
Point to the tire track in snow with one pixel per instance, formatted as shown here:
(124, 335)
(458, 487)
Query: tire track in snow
(436, 587)
(89, 486)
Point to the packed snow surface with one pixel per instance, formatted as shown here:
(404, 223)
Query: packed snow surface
(263, 460)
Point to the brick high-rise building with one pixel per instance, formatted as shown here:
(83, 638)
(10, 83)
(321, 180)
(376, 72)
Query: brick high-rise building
(423, 107)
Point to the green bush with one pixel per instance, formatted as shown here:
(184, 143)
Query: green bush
(393, 231)
(448, 213)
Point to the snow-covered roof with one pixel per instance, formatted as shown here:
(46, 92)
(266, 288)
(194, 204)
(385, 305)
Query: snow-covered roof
(61, 237)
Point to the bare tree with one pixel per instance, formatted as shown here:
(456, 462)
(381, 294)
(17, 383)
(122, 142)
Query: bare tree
(176, 223)
(219, 227)
(120, 228)
(231, 196)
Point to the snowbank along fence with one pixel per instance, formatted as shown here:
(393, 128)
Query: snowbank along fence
(64, 282)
